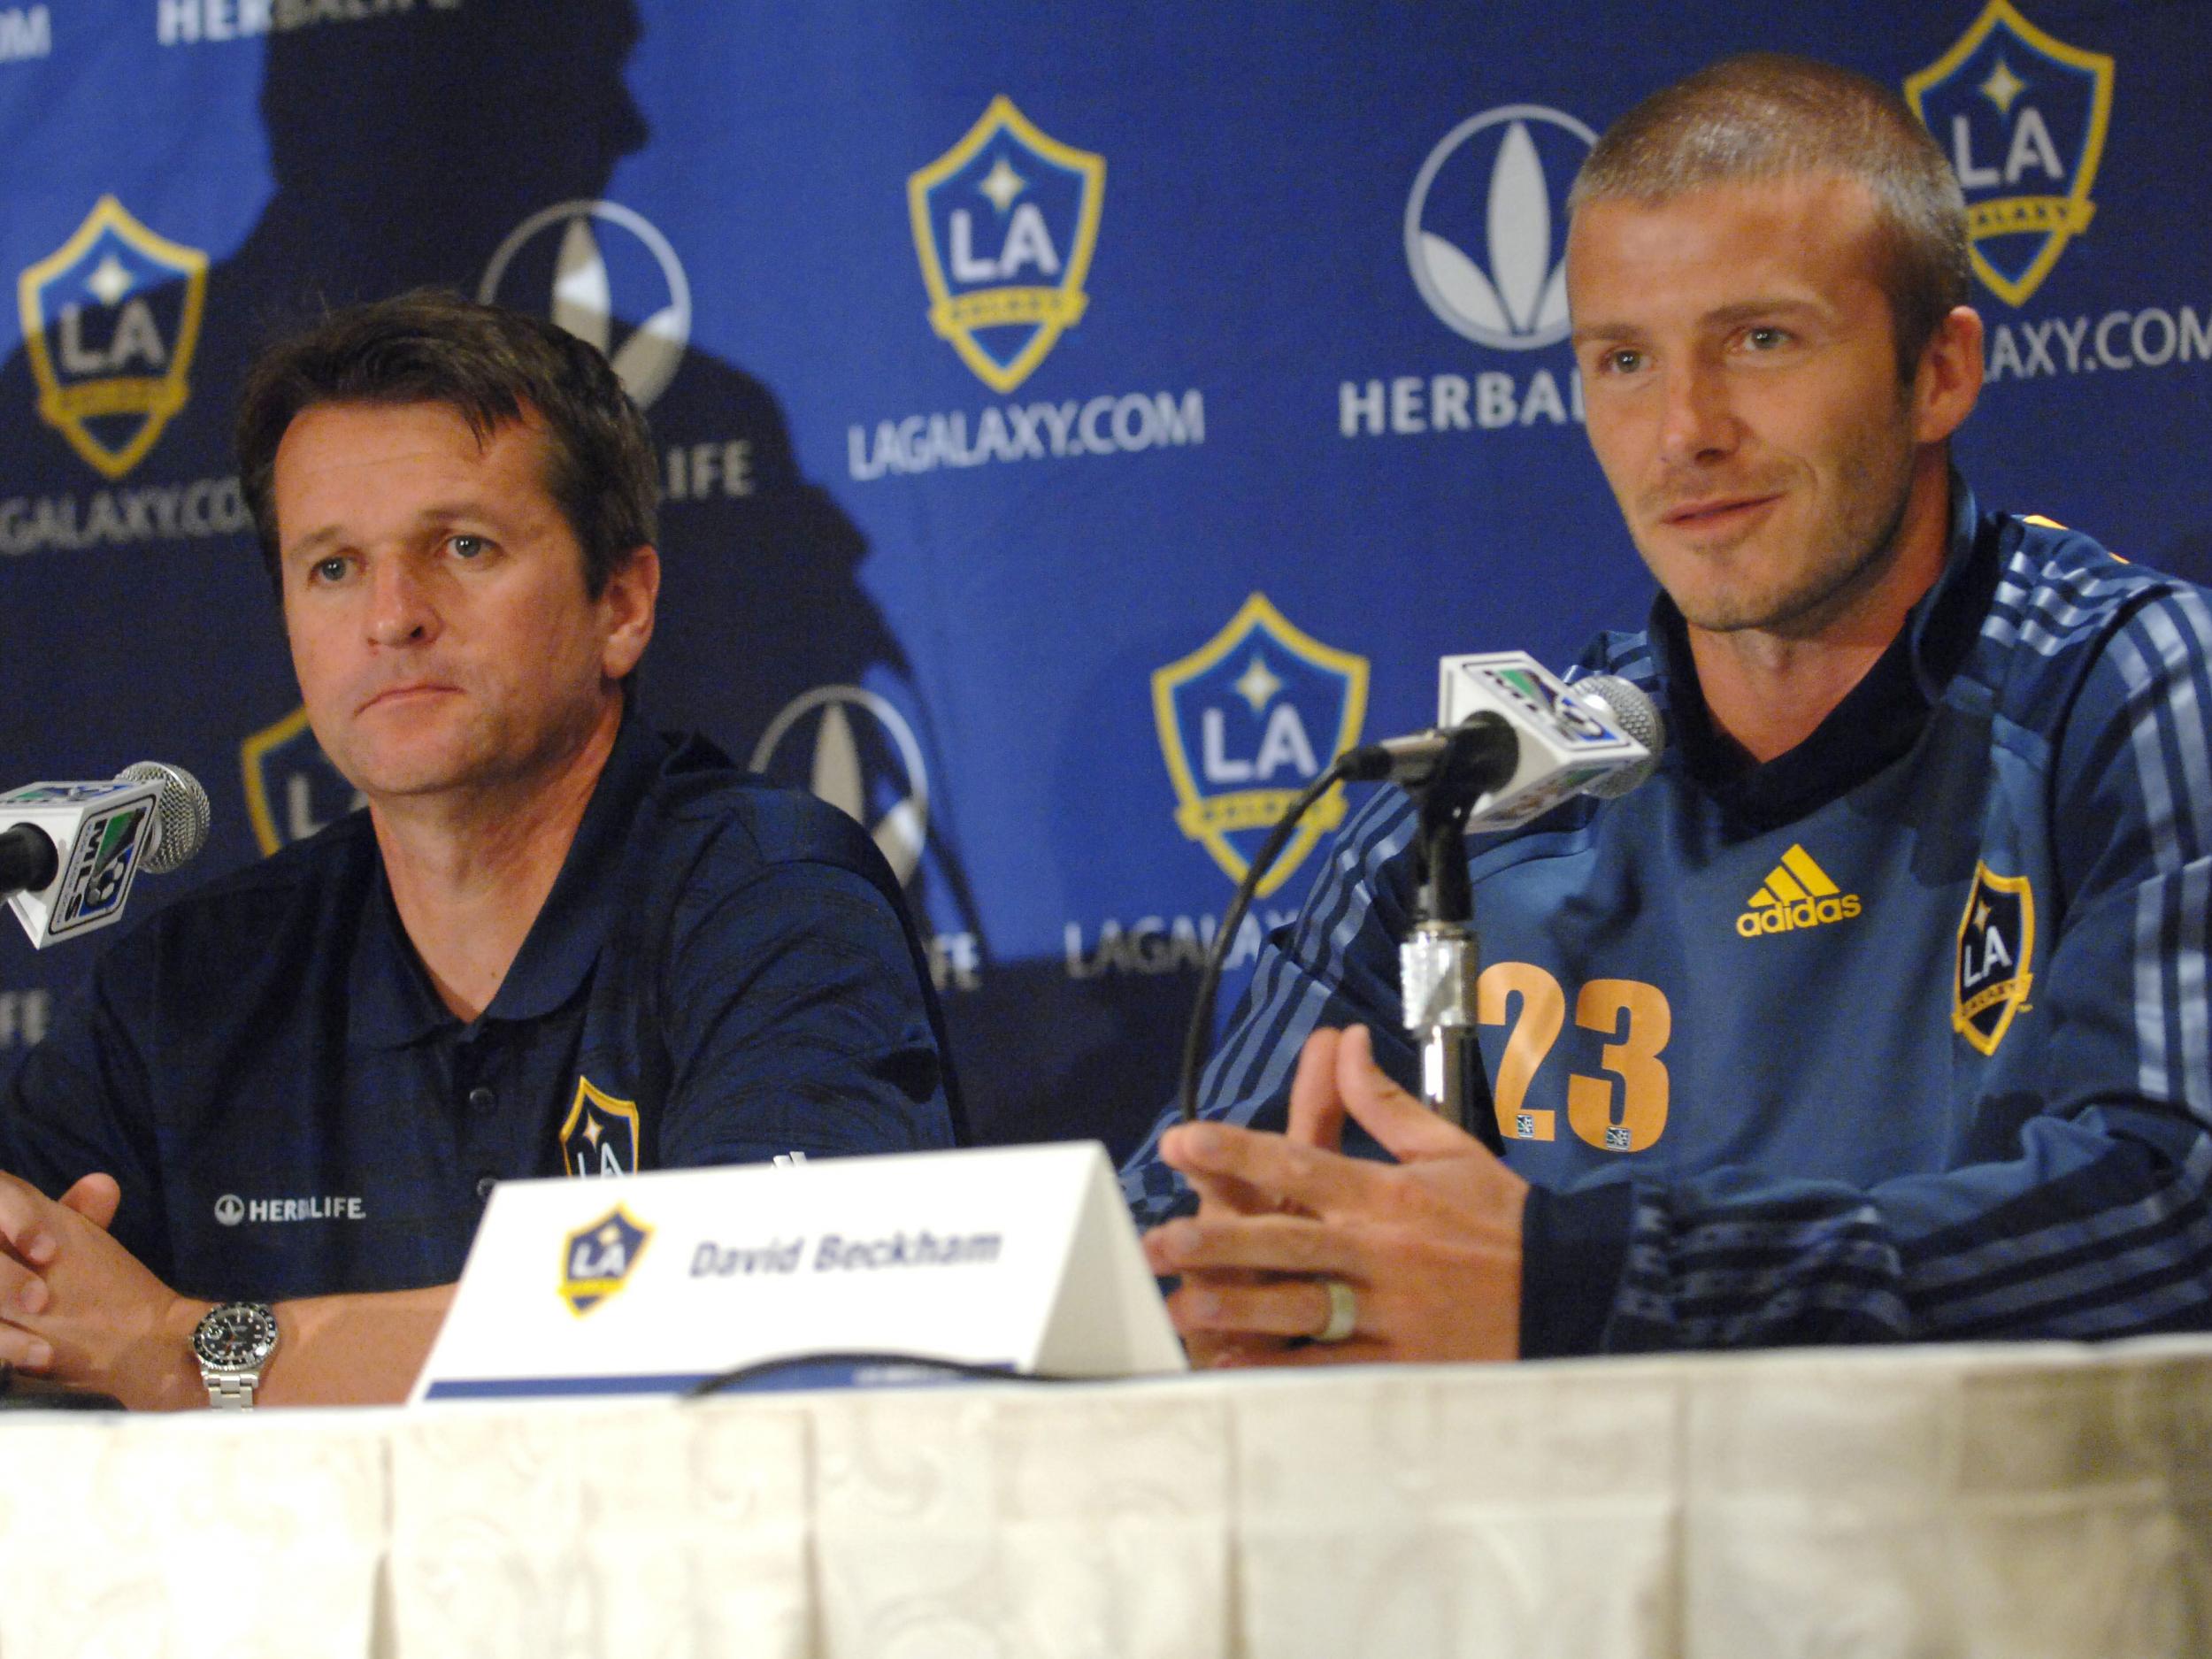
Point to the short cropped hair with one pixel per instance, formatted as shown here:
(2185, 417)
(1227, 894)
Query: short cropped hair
(1764, 116)
(492, 366)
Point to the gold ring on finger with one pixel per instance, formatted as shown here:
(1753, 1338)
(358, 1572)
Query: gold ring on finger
(1343, 1312)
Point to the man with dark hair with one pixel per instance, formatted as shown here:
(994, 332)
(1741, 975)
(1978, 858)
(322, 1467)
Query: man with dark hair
(488, 365)
(554, 941)
(1880, 1013)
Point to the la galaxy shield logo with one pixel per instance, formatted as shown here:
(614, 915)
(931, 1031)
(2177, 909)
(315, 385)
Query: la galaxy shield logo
(110, 320)
(1245, 722)
(1996, 944)
(600, 1134)
(1005, 222)
(2023, 117)
(597, 1260)
(292, 790)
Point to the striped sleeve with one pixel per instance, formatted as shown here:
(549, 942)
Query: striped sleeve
(1335, 964)
(2090, 1216)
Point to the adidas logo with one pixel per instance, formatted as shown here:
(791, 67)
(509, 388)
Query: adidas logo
(1796, 893)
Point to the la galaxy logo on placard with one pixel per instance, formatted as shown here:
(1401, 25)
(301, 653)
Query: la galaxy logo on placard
(600, 1134)
(2023, 117)
(1996, 946)
(1245, 722)
(598, 1258)
(111, 320)
(1005, 223)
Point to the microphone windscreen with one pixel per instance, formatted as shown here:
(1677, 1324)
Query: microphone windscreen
(182, 810)
(1636, 714)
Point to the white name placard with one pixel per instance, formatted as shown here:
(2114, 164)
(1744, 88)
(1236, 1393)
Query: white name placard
(1019, 1258)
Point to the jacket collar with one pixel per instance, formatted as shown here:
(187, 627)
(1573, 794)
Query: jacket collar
(1878, 719)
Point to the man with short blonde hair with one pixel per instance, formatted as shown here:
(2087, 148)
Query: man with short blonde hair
(1762, 117)
(1880, 1013)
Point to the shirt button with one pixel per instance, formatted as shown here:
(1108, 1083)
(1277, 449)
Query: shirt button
(481, 1099)
(484, 1185)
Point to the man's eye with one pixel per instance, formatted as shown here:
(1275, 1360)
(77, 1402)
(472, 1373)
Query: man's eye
(1622, 360)
(329, 570)
(1765, 339)
(467, 547)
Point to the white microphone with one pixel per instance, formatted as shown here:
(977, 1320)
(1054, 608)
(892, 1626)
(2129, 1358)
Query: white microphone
(69, 852)
(1598, 736)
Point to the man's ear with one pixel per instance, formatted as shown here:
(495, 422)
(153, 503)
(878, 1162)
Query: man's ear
(1949, 381)
(626, 602)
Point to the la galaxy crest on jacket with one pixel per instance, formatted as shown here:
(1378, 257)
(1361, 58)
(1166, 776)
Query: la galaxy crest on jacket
(1070, 436)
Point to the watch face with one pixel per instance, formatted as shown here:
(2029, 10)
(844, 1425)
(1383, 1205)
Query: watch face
(237, 1337)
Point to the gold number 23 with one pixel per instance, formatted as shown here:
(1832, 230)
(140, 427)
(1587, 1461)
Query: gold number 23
(1633, 1014)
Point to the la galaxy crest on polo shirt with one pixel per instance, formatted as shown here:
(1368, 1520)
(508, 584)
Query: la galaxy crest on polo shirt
(1996, 945)
(600, 1136)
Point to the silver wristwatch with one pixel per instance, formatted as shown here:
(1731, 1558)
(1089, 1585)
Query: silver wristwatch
(232, 1344)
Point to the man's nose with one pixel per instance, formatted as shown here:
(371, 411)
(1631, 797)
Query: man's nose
(1698, 423)
(400, 608)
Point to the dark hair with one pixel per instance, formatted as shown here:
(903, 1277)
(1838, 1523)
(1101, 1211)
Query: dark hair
(491, 365)
(1764, 116)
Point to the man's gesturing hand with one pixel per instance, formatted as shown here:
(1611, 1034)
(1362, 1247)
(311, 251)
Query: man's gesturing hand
(79, 1308)
(1430, 1246)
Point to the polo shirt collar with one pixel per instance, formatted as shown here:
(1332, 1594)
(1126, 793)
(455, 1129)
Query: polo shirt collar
(392, 1003)
(1878, 720)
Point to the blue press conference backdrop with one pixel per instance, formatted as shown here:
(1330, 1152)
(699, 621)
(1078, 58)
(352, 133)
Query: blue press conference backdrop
(1076, 422)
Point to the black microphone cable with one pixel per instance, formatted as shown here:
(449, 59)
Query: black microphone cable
(1202, 1018)
(1476, 755)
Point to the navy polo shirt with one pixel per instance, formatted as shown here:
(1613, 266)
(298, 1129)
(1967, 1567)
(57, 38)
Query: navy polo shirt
(723, 971)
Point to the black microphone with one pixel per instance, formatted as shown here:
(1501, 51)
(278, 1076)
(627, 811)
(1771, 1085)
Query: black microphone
(1599, 737)
(1513, 742)
(28, 859)
(1482, 752)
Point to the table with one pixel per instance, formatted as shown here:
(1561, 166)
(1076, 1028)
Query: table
(2000, 1500)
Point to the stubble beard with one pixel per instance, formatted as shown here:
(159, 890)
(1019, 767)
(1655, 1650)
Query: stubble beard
(1854, 554)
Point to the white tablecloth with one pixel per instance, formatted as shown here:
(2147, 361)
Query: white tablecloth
(2003, 1502)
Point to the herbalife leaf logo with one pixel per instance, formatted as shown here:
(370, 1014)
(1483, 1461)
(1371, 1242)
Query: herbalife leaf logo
(589, 266)
(1485, 226)
(863, 761)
